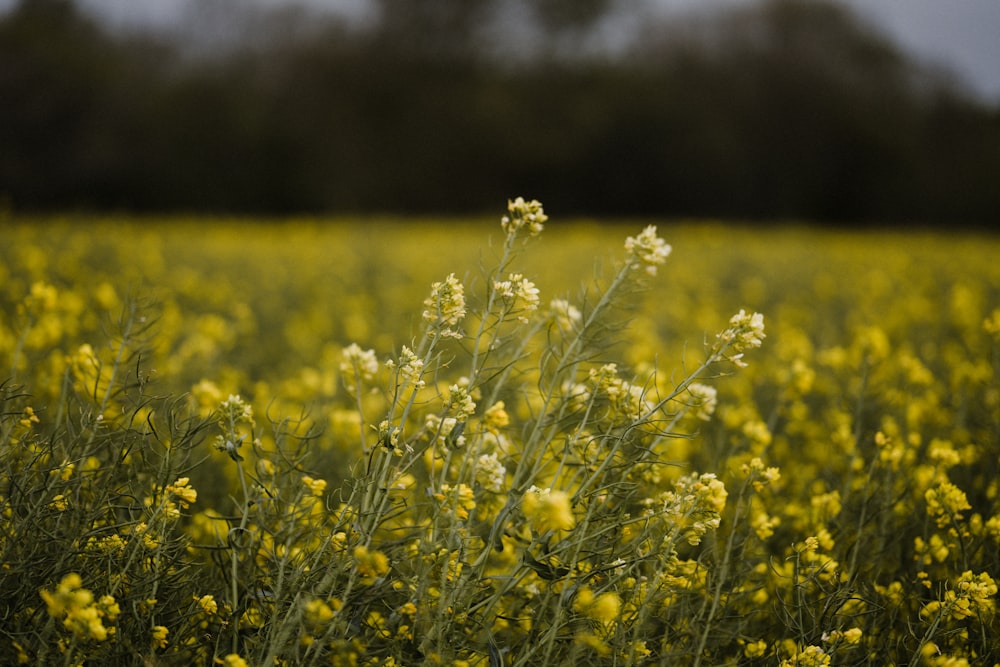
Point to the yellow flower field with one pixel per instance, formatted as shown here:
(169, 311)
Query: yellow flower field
(521, 442)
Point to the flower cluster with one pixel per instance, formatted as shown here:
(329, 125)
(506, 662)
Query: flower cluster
(491, 473)
(972, 596)
(520, 295)
(523, 214)
(694, 505)
(357, 365)
(370, 563)
(604, 607)
(409, 368)
(548, 510)
(81, 614)
(183, 492)
(233, 414)
(810, 656)
(945, 503)
(445, 307)
(460, 403)
(703, 398)
(626, 399)
(567, 316)
(745, 332)
(647, 249)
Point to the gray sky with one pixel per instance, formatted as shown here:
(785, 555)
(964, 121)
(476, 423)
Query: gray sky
(964, 35)
(960, 35)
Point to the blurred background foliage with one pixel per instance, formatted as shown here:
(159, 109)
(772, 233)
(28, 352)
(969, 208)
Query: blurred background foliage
(782, 109)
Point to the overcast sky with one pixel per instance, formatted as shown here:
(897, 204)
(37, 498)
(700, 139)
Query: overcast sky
(961, 35)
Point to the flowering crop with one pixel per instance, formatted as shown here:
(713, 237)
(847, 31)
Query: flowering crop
(329, 444)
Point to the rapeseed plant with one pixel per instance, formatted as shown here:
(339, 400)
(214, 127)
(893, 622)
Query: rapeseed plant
(225, 478)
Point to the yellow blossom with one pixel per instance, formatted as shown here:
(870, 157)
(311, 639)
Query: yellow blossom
(496, 417)
(459, 499)
(183, 491)
(370, 564)
(159, 636)
(946, 502)
(81, 614)
(593, 642)
(604, 607)
(810, 656)
(523, 214)
(28, 418)
(208, 604)
(317, 612)
(445, 307)
(647, 249)
(548, 510)
(316, 486)
(755, 649)
(853, 636)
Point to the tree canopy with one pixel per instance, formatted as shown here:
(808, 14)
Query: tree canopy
(781, 109)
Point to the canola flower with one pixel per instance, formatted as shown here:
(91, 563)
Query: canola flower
(810, 656)
(357, 365)
(604, 607)
(745, 332)
(491, 473)
(523, 214)
(81, 614)
(647, 250)
(445, 307)
(548, 510)
(567, 316)
(409, 368)
(520, 294)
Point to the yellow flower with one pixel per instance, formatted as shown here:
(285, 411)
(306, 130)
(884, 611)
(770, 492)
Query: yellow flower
(755, 649)
(764, 525)
(159, 636)
(232, 660)
(547, 510)
(604, 607)
(946, 503)
(83, 617)
(22, 656)
(108, 607)
(183, 491)
(853, 636)
(207, 395)
(316, 486)
(460, 499)
(85, 622)
(593, 642)
(370, 564)
(29, 418)
(208, 604)
(647, 249)
(992, 324)
(810, 656)
(496, 417)
(265, 468)
(318, 612)
(524, 214)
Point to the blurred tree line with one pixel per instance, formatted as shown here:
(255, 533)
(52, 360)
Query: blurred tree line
(781, 109)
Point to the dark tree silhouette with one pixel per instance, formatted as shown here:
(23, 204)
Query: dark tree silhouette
(781, 109)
